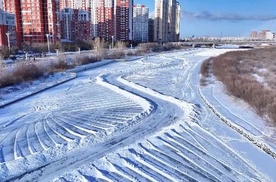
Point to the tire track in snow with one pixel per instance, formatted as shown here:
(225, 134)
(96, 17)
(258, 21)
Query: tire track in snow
(22, 142)
(201, 158)
(43, 136)
(191, 148)
(220, 149)
(53, 135)
(81, 126)
(199, 169)
(181, 157)
(188, 171)
(158, 163)
(50, 131)
(152, 166)
(182, 169)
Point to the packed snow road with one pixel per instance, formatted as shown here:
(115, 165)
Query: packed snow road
(142, 120)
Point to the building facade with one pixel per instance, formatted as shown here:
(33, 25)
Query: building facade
(39, 21)
(151, 30)
(34, 20)
(262, 35)
(105, 20)
(112, 19)
(94, 22)
(75, 24)
(140, 23)
(177, 24)
(167, 21)
(123, 20)
(270, 35)
(75, 4)
(7, 29)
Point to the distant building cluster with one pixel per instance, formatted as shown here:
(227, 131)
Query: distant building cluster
(40, 21)
(262, 35)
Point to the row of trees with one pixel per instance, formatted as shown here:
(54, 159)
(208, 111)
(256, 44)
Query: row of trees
(249, 75)
(95, 44)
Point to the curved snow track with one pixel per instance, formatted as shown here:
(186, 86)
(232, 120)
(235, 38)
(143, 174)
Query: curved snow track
(140, 120)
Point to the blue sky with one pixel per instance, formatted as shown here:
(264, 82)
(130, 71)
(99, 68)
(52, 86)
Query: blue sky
(226, 17)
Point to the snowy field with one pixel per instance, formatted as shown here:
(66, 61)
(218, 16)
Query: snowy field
(142, 120)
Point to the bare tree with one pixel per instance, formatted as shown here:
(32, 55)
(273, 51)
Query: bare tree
(98, 46)
(120, 45)
(238, 71)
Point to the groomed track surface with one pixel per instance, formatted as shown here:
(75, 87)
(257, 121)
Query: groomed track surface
(142, 120)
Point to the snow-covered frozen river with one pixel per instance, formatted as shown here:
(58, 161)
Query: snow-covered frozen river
(141, 120)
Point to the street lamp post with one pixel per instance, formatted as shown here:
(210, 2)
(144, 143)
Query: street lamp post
(47, 35)
(9, 43)
(112, 37)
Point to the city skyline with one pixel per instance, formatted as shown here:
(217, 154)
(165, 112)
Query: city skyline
(114, 20)
(231, 18)
(68, 20)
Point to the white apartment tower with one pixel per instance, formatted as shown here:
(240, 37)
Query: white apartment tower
(177, 25)
(140, 23)
(166, 21)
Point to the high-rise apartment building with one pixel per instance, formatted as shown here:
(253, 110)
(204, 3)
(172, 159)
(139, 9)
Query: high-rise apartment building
(112, 19)
(74, 19)
(167, 20)
(151, 30)
(140, 23)
(105, 19)
(94, 21)
(123, 20)
(177, 23)
(75, 4)
(75, 24)
(7, 29)
(34, 19)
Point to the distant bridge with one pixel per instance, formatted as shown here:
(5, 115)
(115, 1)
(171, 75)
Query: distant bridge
(225, 42)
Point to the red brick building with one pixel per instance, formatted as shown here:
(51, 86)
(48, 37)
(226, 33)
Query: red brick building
(123, 19)
(75, 4)
(34, 19)
(105, 19)
(75, 24)
(114, 19)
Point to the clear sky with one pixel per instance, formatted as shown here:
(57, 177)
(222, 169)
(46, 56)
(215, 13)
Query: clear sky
(223, 17)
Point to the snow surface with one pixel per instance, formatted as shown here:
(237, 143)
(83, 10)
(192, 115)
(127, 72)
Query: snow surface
(12, 93)
(258, 78)
(140, 120)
